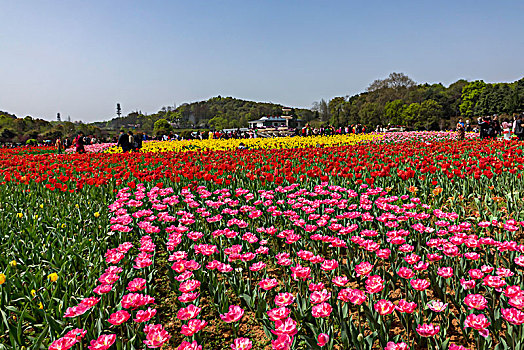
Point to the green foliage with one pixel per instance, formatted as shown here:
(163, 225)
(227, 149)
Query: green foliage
(19, 130)
(162, 127)
(397, 100)
(217, 113)
(393, 112)
(470, 95)
(370, 113)
(410, 114)
(429, 115)
(50, 235)
(336, 107)
(186, 134)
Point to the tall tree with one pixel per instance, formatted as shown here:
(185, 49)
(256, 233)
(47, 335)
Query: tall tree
(370, 114)
(393, 81)
(323, 110)
(429, 115)
(336, 109)
(162, 126)
(393, 112)
(470, 95)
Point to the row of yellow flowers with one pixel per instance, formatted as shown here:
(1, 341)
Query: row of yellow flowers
(53, 277)
(256, 143)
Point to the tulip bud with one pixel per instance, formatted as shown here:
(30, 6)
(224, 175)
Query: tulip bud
(360, 338)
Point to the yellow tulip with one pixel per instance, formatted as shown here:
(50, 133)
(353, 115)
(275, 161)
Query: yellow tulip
(13, 263)
(97, 214)
(40, 306)
(258, 143)
(20, 215)
(33, 292)
(41, 206)
(64, 225)
(2, 278)
(53, 277)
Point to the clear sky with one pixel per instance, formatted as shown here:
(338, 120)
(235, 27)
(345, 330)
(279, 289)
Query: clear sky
(80, 58)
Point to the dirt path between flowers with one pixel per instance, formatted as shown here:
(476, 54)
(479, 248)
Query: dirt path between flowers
(217, 334)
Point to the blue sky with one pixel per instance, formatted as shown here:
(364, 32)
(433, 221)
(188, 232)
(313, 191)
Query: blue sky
(80, 58)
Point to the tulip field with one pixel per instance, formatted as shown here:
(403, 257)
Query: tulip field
(380, 241)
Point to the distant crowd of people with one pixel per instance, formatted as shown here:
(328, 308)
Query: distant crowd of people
(79, 142)
(307, 130)
(490, 127)
(487, 127)
(130, 142)
(331, 130)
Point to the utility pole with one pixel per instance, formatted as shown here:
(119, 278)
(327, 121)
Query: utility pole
(118, 110)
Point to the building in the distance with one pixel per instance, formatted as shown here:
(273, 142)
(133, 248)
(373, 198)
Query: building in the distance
(285, 120)
(267, 122)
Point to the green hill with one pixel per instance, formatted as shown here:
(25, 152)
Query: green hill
(217, 113)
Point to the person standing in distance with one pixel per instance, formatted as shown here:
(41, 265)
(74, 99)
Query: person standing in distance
(123, 141)
(79, 143)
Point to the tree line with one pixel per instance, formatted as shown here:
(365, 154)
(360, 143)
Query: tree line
(28, 129)
(216, 113)
(396, 100)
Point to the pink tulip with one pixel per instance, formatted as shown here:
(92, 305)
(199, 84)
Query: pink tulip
(445, 272)
(189, 312)
(457, 347)
(397, 346)
(103, 342)
(283, 342)
(156, 336)
(189, 346)
(384, 307)
(321, 310)
(419, 284)
(374, 284)
(241, 344)
(320, 297)
(478, 322)
(284, 299)
(363, 269)
(192, 327)
(234, 314)
(513, 316)
(278, 313)
(64, 343)
(287, 326)
(405, 306)
(322, 339)
(437, 306)
(119, 317)
(427, 330)
(145, 315)
(406, 273)
(476, 301)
